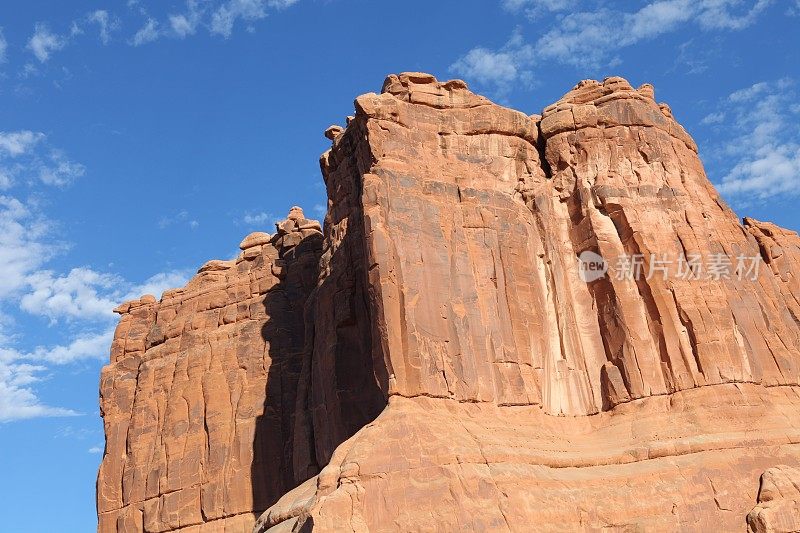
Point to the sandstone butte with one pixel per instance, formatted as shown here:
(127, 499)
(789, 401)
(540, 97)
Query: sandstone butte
(432, 361)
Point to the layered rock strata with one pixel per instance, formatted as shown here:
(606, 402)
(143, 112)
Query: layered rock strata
(457, 370)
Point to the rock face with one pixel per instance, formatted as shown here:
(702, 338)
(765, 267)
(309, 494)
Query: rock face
(778, 509)
(198, 399)
(442, 360)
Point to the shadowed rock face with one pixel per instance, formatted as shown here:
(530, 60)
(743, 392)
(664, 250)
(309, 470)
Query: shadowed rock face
(198, 401)
(436, 361)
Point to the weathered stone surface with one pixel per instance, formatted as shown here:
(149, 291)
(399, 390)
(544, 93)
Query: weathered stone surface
(199, 397)
(519, 394)
(257, 238)
(444, 365)
(778, 509)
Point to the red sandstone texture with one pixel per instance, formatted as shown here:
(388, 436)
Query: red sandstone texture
(434, 360)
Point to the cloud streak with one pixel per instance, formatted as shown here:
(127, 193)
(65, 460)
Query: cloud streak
(18, 401)
(146, 34)
(81, 299)
(761, 137)
(43, 42)
(590, 39)
(26, 155)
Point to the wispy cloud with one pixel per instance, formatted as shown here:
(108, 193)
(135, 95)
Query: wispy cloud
(713, 118)
(259, 219)
(82, 295)
(3, 47)
(760, 144)
(79, 294)
(320, 209)
(157, 284)
(748, 93)
(43, 42)
(16, 143)
(185, 24)
(77, 304)
(226, 15)
(534, 8)
(182, 217)
(282, 4)
(218, 17)
(24, 244)
(487, 66)
(105, 22)
(26, 155)
(18, 400)
(20, 372)
(86, 345)
(59, 171)
(590, 39)
(146, 34)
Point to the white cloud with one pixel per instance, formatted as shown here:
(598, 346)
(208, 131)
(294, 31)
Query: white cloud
(182, 25)
(72, 296)
(60, 171)
(500, 68)
(536, 7)
(484, 66)
(95, 449)
(43, 42)
(18, 401)
(772, 170)
(79, 301)
(16, 143)
(590, 39)
(105, 22)
(713, 118)
(726, 14)
(23, 247)
(226, 15)
(87, 345)
(258, 219)
(761, 143)
(185, 24)
(85, 294)
(320, 209)
(147, 33)
(181, 217)
(282, 4)
(52, 168)
(748, 93)
(3, 47)
(157, 284)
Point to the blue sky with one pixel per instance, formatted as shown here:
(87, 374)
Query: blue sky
(139, 139)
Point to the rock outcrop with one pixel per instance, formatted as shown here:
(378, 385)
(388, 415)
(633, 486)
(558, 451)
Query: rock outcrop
(199, 397)
(438, 359)
(778, 509)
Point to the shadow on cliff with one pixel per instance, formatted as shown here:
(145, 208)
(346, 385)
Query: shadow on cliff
(323, 384)
(272, 472)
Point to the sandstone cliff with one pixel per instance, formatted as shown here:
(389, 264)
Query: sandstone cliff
(435, 360)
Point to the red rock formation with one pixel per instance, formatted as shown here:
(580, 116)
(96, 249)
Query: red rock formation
(457, 371)
(199, 397)
(778, 509)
